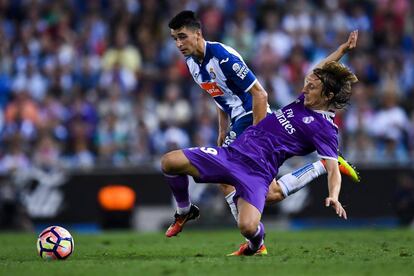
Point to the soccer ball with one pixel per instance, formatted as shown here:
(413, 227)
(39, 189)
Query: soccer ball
(55, 243)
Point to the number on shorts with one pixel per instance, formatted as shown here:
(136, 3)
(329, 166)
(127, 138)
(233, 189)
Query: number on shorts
(212, 151)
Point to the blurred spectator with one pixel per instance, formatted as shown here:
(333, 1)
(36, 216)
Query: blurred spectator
(297, 22)
(79, 151)
(52, 117)
(139, 144)
(32, 81)
(331, 21)
(122, 53)
(169, 138)
(112, 138)
(390, 127)
(47, 153)
(82, 109)
(359, 19)
(14, 158)
(104, 79)
(273, 36)
(174, 110)
(116, 103)
(361, 149)
(21, 117)
(205, 132)
(39, 185)
(121, 63)
(239, 34)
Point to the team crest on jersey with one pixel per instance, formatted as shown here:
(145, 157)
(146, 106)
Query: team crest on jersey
(236, 67)
(212, 74)
(308, 120)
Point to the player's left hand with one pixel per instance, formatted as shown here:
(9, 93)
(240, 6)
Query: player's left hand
(221, 138)
(340, 211)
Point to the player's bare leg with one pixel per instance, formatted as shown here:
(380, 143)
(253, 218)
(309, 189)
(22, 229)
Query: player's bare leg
(176, 167)
(175, 162)
(251, 228)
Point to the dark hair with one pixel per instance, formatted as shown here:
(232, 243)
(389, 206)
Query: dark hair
(185, 19)
(337, 79)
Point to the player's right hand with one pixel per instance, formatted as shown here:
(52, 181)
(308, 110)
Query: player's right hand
(351, 42)
(340, 211)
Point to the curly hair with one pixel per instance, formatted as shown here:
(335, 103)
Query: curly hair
(337, 79)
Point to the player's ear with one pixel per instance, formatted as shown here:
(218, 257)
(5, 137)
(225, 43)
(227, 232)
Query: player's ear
(330, 96)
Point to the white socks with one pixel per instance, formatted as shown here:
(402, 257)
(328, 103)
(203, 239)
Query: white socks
(232, 205)
(183, 210)
(293, 182)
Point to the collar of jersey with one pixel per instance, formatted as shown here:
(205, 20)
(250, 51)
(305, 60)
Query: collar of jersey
(324, 112)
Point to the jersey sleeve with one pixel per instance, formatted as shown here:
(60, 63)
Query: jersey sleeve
(237, 72)
(326, 144)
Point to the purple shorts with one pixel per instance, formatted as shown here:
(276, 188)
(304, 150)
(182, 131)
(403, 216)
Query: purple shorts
(224, 165)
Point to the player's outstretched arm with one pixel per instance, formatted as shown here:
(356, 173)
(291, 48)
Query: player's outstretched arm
(342, 49)
(334, 186)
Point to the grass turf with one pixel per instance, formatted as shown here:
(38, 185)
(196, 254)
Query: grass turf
(317, 252)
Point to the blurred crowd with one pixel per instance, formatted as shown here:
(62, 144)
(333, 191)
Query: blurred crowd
(100, 82)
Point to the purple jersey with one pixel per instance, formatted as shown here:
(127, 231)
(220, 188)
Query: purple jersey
(252, 161)
(293, 130)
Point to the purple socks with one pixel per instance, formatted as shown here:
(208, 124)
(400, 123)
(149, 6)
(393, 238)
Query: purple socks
(256, 240)
(179, 187)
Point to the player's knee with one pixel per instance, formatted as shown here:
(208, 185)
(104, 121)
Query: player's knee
(248, 227)
(167, 163)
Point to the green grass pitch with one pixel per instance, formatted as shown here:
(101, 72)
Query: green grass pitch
(316, 252)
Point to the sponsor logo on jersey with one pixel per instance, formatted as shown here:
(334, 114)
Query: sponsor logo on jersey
(212, 88)
(284, 121)
(224, 60)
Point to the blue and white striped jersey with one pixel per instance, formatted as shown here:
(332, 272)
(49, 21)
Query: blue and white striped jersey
(224, 75)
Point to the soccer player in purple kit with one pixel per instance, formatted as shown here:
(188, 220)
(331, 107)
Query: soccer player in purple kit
(222, 73)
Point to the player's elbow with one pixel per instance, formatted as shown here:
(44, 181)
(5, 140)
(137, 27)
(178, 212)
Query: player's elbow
(262, 95)
(258, 93)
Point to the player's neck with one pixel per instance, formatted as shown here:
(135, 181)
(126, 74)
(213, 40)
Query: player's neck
(319, 107)
(200, 50)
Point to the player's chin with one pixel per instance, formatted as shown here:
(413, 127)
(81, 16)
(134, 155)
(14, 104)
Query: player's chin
(307, 103)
